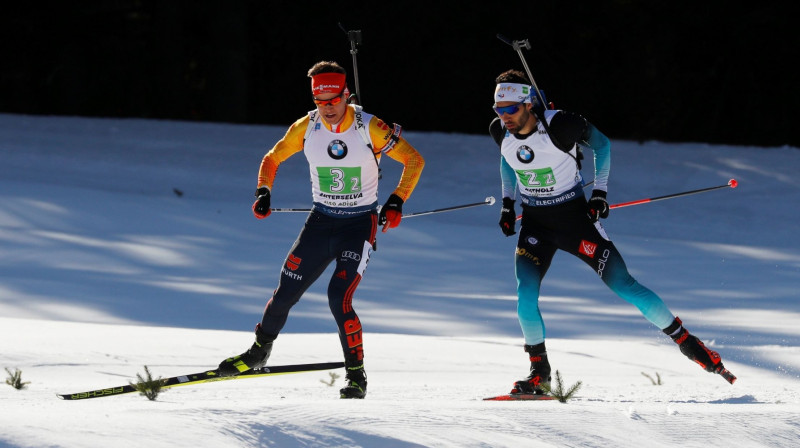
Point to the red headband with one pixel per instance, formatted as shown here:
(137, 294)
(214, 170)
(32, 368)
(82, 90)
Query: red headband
(327, 83)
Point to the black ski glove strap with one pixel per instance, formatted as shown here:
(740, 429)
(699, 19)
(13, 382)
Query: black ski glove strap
(261, 206)
(598, 206)
(394, 208)
(508, 218)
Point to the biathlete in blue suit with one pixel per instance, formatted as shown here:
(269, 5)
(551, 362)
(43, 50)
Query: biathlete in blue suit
(540, 162)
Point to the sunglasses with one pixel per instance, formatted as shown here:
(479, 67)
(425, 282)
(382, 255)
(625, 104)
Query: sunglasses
(510, 110)
(329, 102)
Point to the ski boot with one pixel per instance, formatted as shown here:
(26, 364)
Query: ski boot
(356, 377)
(255, 357)
(695, 350)
(538, 381)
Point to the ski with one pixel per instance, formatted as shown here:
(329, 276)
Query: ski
(205, 377)
(520, 397)
(729, 377)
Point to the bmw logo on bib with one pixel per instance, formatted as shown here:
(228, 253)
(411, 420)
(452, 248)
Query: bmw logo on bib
(525, 154)
(337, 149)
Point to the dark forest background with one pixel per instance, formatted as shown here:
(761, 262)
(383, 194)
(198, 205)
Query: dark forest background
(691, 71)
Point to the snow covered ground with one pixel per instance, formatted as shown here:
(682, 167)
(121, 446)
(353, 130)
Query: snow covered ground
(131, 243)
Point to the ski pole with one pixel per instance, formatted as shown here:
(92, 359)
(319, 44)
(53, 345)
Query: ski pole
(731, 183)
(355, 39)
(285, 210)
(488, 201)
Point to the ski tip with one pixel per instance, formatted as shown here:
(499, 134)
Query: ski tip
(520, 397)
(729, 377)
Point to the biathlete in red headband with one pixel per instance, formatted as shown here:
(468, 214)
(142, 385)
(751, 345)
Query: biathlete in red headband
(344, 146)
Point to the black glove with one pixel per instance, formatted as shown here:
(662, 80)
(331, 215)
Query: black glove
(598, 206)
(508, 218)
(261, 206)
(391, 213)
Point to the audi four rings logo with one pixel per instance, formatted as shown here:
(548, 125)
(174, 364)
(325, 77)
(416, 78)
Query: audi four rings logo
(350, 254)
(337, 149)
(525, 154)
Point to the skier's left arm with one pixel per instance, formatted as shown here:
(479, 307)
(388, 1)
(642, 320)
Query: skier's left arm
(387, 140)
(569, 129)
(601, 147)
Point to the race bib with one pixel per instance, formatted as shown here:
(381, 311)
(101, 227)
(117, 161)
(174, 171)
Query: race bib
(339, 180)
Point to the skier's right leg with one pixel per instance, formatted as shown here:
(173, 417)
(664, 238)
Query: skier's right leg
(303, 265)
(531, 262)
(538, 380)
(255, 357)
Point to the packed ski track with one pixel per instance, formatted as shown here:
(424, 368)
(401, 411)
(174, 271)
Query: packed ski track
(431, 399)
(105, 269)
